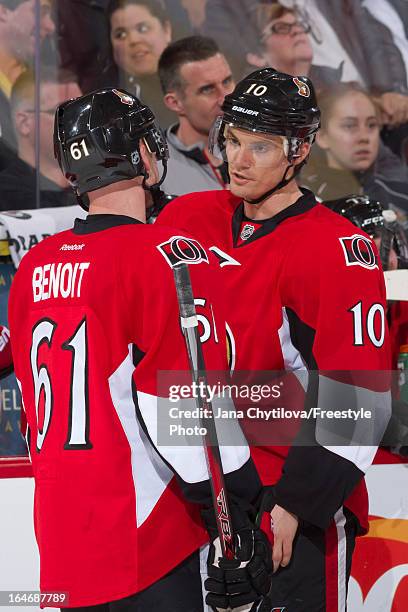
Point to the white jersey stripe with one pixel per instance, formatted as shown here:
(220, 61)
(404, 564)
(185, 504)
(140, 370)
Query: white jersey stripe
(150, 474)
(292, 358)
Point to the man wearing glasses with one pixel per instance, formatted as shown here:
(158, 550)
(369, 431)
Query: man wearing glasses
(18, 182)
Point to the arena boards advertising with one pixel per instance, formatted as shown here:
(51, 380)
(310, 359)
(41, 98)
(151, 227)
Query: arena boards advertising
(379, 581)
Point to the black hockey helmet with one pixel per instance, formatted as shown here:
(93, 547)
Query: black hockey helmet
(96, 139)
(370, 216)
(270, 102)
(363, 212)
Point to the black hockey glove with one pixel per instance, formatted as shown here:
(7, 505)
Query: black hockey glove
(246, 579)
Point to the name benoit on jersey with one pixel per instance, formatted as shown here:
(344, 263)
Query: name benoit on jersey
(58, 280)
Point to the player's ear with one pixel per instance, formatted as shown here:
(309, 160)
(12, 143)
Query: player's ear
(150, 163)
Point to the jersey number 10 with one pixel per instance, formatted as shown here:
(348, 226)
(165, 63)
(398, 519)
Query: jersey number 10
(363, 328)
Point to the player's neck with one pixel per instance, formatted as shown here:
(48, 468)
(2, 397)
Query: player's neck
(123, 198)
(273, 205)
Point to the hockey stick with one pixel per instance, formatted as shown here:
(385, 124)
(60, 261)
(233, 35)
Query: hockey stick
(189, 324)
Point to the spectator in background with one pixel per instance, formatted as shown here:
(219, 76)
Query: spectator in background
(195, 77)
(286, 45)
(341, 32)
(84, 38)
(18, 180)
(17, 49)
(348, 32)
(139, 31)
(347, 156)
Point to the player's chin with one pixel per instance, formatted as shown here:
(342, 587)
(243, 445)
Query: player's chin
(241, 191)
(237, 191)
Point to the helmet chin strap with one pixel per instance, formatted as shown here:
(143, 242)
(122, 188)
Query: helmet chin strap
(159, 197)
(156, 185)
(282, 183)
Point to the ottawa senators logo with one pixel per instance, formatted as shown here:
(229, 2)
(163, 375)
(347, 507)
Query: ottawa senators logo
(124, 97)
(179, 249)
(303, 88)
(359, 251)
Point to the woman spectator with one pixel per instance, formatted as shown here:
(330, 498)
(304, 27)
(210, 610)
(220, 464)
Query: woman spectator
(349, 158)
(139, 31)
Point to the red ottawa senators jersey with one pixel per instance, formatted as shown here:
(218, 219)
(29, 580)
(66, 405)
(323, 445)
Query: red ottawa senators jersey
(305, 293)
(93, 317)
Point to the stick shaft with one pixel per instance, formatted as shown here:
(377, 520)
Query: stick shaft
(189, 323)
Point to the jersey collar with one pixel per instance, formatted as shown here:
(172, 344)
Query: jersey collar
(98, 223)
(306, 202)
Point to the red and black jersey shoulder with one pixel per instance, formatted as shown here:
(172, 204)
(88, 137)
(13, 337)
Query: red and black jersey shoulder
(203, 214)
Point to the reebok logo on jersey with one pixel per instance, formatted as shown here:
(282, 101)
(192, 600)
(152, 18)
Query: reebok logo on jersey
(179, 249)
(72, 247)
(247, 231)
(247, 111)
(358, 251)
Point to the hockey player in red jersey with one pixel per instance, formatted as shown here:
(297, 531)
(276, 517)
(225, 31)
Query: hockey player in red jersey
(304, 290)
(94, 318)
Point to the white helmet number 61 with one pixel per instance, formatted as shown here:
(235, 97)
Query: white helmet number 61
(75, 149)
